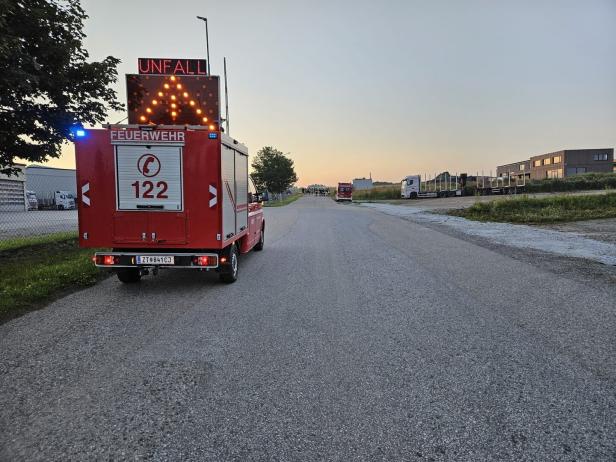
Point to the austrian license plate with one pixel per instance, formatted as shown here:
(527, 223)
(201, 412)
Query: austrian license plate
(155, 260)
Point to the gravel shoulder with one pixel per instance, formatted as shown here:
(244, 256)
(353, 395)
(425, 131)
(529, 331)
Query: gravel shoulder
(566, 244)
(601, 230)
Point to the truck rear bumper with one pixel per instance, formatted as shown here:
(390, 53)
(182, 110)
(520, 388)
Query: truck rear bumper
(184, 260)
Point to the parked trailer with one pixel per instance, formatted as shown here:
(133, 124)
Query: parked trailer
(446, 185)
(499, 185)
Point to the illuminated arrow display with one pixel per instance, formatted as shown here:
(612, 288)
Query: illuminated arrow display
(173, 100)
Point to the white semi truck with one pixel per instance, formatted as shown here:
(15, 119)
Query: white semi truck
(63, 200)
(412, 187)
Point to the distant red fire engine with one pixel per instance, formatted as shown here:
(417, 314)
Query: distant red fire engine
(344, 192)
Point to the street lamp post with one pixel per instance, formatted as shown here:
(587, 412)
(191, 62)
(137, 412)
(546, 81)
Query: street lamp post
(207, 44)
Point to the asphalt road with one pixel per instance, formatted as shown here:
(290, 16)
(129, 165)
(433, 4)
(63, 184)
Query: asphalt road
(353, 336)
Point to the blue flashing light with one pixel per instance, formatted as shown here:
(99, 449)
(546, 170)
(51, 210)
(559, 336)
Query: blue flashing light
(78, 131)
(212, 136)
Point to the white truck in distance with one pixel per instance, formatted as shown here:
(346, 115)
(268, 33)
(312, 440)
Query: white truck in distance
(412, 188)
(64, 200)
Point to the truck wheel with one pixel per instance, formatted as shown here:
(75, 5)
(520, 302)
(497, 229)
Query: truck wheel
(413, 195)
(259, 245)
(129, 275)
(231, 275)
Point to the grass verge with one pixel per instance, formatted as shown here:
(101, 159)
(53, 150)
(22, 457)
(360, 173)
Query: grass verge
(38, 269)
(286, 201)
(542, 210)
(18, 242)
(377, 193)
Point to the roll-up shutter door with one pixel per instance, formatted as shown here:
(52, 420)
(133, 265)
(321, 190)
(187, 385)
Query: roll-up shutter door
(12, 197)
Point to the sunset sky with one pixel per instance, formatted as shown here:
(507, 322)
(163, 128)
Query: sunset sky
(350, 88)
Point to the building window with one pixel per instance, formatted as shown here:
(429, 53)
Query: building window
(537, 163)
(600, 156)
(522, 167)
(575, 170)
(555, 173)
(556, 159)
(547, 161)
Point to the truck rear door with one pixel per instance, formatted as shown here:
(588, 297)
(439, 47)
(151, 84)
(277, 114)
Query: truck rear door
(149, 192)
(130, 228)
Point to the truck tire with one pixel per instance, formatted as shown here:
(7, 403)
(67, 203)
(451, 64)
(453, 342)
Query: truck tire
(230, 275)
(413, 195)
(261, 243)
(129, 275)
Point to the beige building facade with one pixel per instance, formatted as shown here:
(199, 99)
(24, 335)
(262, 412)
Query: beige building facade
(562, 164)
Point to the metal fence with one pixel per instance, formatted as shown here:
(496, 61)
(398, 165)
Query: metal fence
(276, 197)
(22, 223)
(18, 224)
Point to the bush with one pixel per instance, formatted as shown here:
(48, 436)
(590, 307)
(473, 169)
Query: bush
(542, 210)
(586, 181)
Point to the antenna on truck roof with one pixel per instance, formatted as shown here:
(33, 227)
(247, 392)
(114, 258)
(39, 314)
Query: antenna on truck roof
(226, 98)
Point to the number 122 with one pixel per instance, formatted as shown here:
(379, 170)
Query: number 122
(148, 188)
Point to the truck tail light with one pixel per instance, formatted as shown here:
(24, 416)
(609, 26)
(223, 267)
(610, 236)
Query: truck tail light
(106, 260)
(204, 260)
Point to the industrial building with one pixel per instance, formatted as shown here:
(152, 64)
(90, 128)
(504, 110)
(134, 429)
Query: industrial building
(519, 170)
(561, 164)
(13, 191)
(45, 181)
(362, 184)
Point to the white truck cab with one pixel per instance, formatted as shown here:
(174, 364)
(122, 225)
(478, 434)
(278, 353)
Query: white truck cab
(32, 200)
(410, 187)
(64, 200)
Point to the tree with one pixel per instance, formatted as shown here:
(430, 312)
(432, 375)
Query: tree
(272, 170)
(47, 87)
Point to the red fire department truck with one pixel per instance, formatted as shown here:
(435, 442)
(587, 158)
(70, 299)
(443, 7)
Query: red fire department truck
(344, 192)
(169, 189)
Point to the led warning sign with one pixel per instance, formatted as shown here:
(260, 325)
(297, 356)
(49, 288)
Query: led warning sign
(173, 66)
(173, 100)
